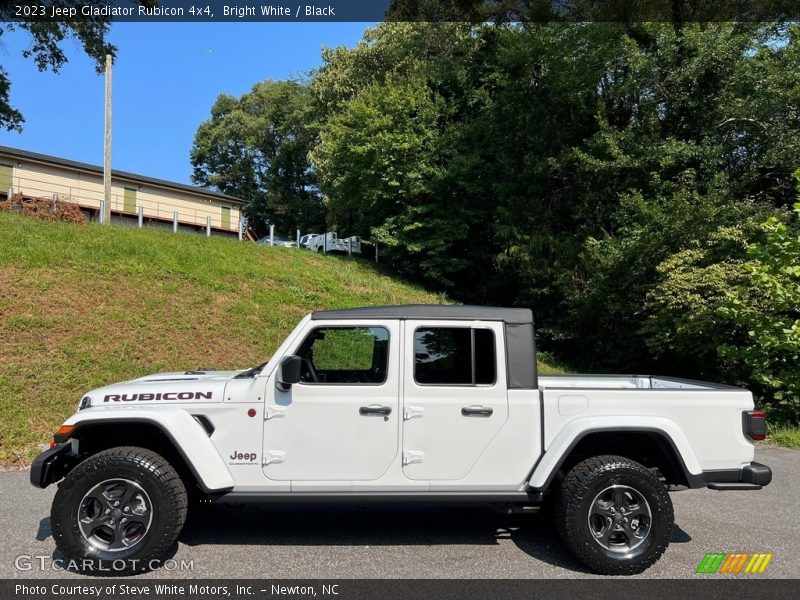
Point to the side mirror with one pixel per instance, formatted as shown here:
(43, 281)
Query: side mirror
(290, 372)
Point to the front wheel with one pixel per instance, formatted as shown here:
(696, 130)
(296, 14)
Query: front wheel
(118, 512)
(614, 514)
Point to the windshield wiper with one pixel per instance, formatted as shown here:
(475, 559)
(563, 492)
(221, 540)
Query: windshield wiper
(251, 372)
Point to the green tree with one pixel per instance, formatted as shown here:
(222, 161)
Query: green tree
(390, 149)
(683, 325)
(380, 169)
(256, 147)
(766, 309)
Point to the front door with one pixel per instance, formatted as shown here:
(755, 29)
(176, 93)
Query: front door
(455, 398)
(340, 423)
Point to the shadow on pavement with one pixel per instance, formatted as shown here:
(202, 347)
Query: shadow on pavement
(373, 525)
(381, 525)
(44, 530)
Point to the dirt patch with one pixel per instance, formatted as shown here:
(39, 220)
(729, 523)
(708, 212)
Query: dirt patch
(44, 209)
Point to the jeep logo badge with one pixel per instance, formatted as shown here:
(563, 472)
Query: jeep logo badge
(242, 458)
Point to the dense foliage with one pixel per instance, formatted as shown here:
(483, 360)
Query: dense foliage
(766, 308)
(609, 175)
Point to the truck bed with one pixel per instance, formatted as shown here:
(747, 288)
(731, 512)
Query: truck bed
(637, 382)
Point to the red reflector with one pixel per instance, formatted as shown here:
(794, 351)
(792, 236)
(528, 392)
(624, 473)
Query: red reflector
(251, 412)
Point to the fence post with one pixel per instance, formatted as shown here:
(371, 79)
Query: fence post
(272, 235)
(376, 251)
(298, 239)
(349, 246)
(208, 226)
(241, 223)
(141, 216)
(10, 191)
(102, 214)
(175, 222)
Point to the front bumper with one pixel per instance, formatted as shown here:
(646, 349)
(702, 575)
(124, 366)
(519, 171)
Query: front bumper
(750, 477)
(52, 465)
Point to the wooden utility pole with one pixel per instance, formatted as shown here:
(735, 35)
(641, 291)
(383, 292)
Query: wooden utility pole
(106, 217)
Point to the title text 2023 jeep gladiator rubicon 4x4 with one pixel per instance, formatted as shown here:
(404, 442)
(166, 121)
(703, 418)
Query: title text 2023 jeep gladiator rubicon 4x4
(398, 403)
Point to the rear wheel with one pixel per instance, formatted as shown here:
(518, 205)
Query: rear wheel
(614, 515)
(118, 512)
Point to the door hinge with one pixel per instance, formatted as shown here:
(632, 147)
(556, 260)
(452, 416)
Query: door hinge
(412, 456)
(274, 411)
(274, 456)
(409, 412)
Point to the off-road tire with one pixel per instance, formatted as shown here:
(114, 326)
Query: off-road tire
(577, 495)
(147, 471)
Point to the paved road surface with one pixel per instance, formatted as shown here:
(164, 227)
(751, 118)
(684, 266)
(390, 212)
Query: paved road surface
(424, 542)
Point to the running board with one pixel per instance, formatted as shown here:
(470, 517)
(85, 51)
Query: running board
(378, 497)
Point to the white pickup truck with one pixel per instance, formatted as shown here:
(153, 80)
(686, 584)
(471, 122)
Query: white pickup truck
(398, 403)
(330, 242)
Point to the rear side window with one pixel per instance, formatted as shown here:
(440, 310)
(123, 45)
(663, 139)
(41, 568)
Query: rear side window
(454, 356)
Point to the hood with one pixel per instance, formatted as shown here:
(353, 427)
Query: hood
(180, 387)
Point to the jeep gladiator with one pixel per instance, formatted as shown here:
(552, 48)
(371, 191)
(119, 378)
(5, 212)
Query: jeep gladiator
(398, 403)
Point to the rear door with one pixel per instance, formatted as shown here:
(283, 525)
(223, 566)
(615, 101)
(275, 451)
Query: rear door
(454, 394)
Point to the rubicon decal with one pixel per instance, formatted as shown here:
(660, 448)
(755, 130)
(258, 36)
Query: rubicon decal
(158, 396)
(734, 562)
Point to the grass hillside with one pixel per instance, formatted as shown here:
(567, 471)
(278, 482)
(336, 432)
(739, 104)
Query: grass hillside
(84, 305)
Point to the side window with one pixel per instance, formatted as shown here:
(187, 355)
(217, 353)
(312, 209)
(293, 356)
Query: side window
(345, 355)
(454, 356)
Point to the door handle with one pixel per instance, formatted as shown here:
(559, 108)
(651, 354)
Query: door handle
(374, 409)
(476, 411)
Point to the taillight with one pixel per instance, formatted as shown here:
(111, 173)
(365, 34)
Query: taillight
(754, 424)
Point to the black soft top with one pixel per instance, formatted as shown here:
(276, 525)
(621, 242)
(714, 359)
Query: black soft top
(518, 325)
(430, 311)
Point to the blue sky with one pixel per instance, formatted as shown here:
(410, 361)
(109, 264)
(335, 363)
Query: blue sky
(166, 78)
